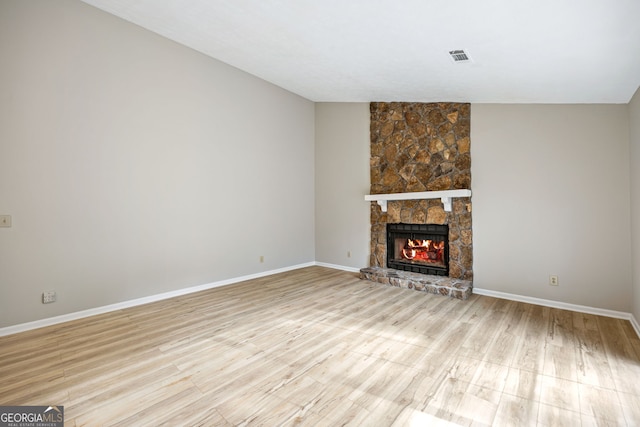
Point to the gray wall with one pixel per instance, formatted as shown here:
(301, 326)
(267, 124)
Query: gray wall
(133, 166)
(342, 180)
(544, 177)
(634, 138)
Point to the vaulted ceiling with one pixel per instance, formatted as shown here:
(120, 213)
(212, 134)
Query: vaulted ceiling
(524, 51)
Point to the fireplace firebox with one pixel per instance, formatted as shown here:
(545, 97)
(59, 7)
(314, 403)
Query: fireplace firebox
(420, 248)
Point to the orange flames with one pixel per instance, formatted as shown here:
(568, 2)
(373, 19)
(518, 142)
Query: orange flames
(423, 250)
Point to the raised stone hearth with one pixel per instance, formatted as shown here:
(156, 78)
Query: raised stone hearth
(455, 288)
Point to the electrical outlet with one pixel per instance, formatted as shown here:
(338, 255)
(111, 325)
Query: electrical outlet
(553, 280)
(5, 220)
(48, 297)
(261, 258)
(348, 254)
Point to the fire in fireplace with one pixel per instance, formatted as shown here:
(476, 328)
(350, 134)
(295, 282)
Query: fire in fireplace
(421, 248)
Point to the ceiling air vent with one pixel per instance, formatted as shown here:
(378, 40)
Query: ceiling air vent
(459, 56)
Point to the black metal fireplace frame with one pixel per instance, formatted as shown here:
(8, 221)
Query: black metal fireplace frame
(418, 231)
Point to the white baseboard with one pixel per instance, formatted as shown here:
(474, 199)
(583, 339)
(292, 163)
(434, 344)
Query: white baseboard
(338, 267)
(635, 324)
(140, 301)
(561, 305)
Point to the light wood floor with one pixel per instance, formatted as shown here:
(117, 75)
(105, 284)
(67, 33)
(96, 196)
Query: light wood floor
(318, 347)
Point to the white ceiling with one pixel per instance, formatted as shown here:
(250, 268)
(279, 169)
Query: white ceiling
(530, 51)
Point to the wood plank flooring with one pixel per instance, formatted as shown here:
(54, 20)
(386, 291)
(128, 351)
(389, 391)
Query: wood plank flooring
(319, 347)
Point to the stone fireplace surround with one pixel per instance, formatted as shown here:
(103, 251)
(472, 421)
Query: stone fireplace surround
(418, 147)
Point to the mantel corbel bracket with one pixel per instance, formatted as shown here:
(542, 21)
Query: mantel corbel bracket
(446, 202)
(383, 205)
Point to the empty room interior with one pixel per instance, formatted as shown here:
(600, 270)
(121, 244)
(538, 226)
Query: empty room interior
(407, 213)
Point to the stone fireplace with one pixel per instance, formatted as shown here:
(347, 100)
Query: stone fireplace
(421, 147)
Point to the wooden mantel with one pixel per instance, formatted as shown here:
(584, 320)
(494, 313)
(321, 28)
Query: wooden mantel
(445, 196)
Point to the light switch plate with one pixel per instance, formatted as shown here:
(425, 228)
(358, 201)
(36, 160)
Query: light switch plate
(5, 220)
